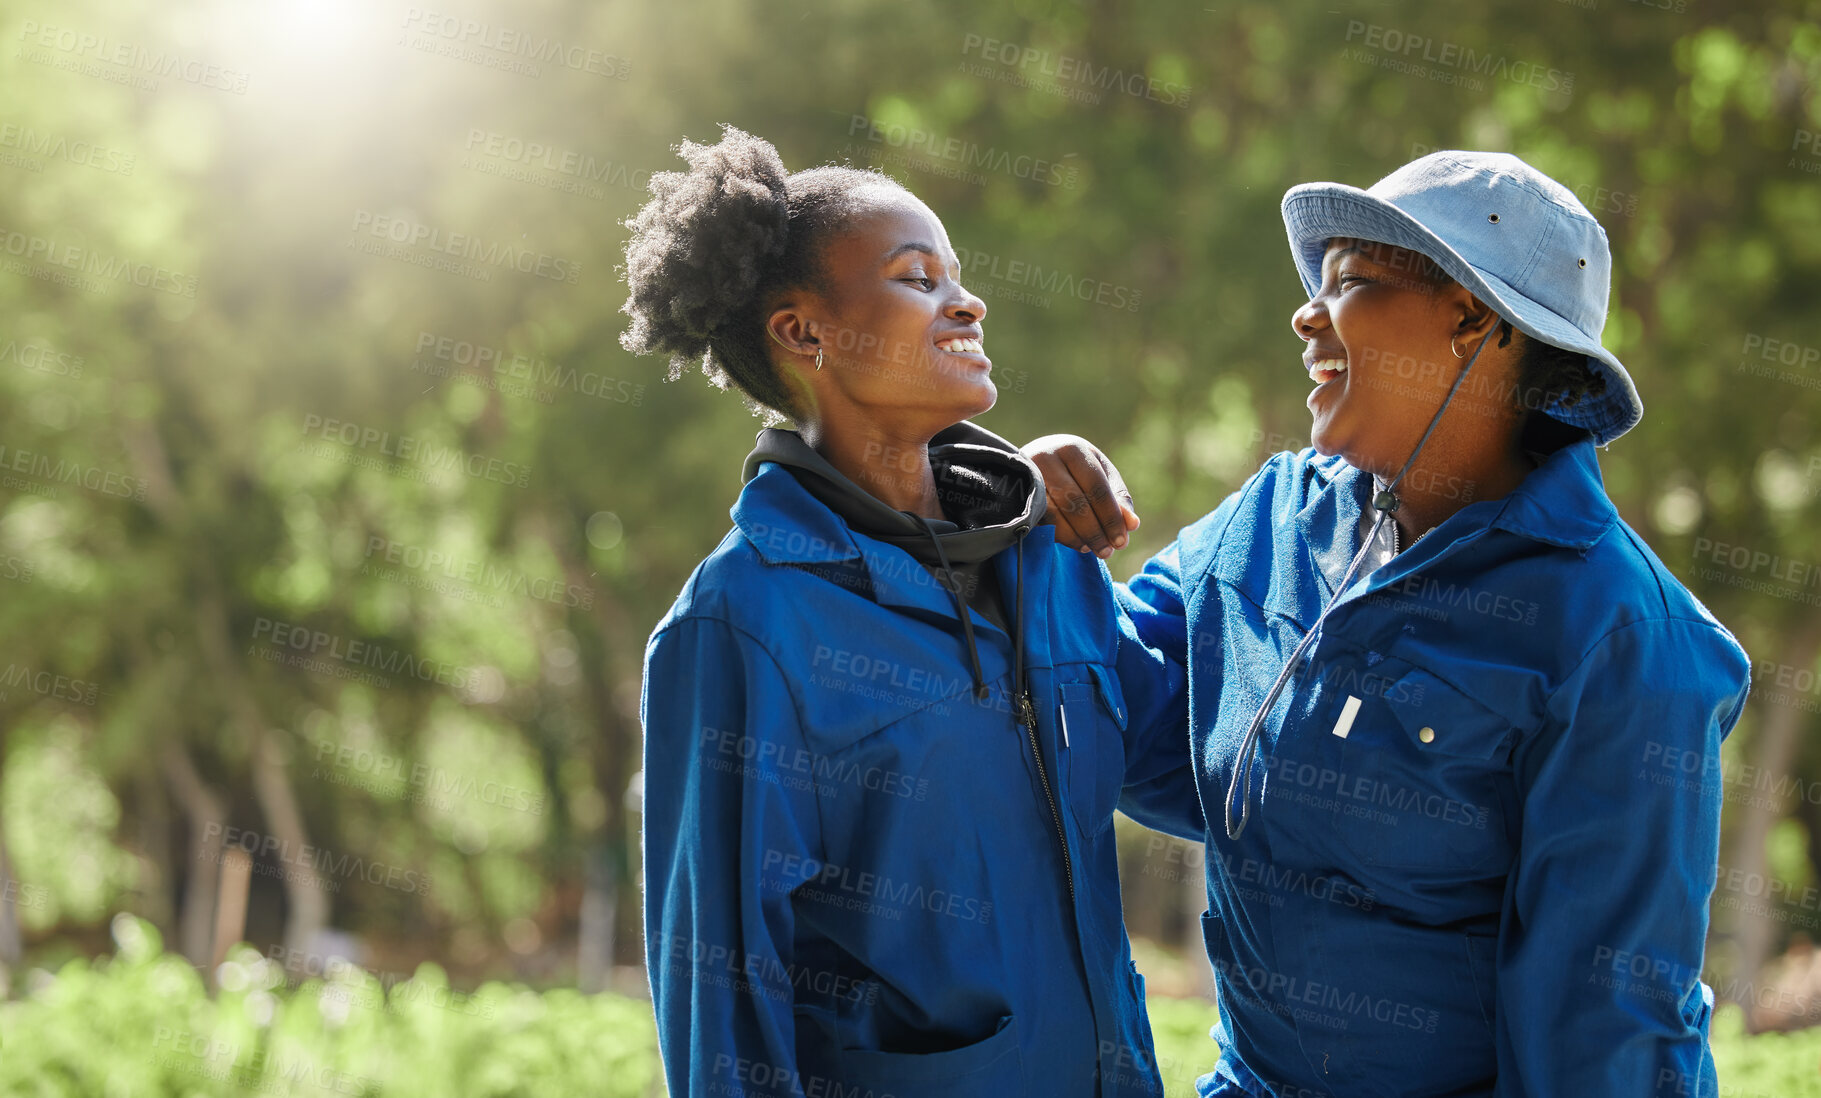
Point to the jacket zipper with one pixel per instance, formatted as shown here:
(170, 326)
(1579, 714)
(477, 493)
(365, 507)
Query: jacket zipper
(1027, 716)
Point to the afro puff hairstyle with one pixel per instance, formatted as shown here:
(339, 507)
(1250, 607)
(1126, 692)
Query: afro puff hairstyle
(716, 244)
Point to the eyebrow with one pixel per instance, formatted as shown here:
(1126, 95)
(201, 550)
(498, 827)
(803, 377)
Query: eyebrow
(1357, 247)
(913, 246)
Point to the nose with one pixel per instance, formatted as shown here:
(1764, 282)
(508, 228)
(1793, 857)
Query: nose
(1311, 318)
(965, 306)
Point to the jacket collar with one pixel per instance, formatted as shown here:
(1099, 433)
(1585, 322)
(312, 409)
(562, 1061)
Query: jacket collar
(1562, 502)
(788, 526)
(1334, 495)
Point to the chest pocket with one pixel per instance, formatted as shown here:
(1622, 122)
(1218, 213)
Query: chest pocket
(1092, 720)
(1425, 774)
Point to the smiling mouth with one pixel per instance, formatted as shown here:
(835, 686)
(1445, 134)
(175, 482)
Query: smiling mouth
(962, 346)
(1324, 370)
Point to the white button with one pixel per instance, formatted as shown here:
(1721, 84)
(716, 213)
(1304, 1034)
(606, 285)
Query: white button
(1347, 712)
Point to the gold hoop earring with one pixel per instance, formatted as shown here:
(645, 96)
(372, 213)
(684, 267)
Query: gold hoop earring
(818, 358)
(1457, 354)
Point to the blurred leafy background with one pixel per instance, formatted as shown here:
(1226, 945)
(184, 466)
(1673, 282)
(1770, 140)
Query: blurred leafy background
(252, 408)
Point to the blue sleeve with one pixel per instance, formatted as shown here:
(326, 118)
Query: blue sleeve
(727, 835)
(1605, 921)
(1160, 790)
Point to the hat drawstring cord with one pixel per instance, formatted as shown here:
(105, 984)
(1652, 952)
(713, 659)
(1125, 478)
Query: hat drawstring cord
(1385, 501)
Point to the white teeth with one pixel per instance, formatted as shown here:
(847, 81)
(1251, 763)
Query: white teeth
(962, 345)
(1327, 365)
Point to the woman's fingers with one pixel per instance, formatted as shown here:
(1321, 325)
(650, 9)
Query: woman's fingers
(1096, 505)
(1067, 510)
(1088, 501)
(1122, 496)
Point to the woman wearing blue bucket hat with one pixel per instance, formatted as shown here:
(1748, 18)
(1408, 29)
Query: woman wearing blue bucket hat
(1455, 727)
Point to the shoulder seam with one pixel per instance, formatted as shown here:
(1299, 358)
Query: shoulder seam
(1666, 620)
(796, 703)
(1243, 493)
(1637, 546)
(789, 687)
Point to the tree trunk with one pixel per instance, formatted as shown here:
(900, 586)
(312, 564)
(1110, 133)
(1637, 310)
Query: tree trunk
(1809, 812)
(12, 945)
(231, 909)
(151, 815)
(598, 922)
(1193, 893)
(1774, 753)
(201, 869)
(307, 904)
(610, 863)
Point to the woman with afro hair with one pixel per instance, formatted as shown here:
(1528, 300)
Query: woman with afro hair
(886, 720)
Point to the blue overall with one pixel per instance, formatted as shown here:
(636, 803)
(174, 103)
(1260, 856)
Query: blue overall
(1478, 862)
(859, 879)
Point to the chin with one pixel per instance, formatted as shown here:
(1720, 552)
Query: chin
(981, 400)
(1323, 439)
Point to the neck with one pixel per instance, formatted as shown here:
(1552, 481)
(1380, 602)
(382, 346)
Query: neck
(893, 465)
(1438, 486)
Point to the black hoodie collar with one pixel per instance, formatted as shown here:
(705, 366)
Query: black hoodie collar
(991, 493)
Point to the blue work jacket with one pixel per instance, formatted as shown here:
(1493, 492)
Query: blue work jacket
(859, 879)
(1469, 870)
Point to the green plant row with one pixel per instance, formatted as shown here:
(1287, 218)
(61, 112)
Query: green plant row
(141, 1024)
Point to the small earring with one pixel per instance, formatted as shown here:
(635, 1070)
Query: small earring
(1457, 354)
(818, 358)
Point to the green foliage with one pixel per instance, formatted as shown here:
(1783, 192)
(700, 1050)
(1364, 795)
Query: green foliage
(61, 818)
(347, 1034)
(1185, 1050)
(163, 1035)
(1684, 131)
(1771, 1065)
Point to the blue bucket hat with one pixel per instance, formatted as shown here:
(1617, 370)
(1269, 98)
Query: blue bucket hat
(1515, 238)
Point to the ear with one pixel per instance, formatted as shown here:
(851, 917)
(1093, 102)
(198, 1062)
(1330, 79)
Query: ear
(791, 327)
(1475, 320)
